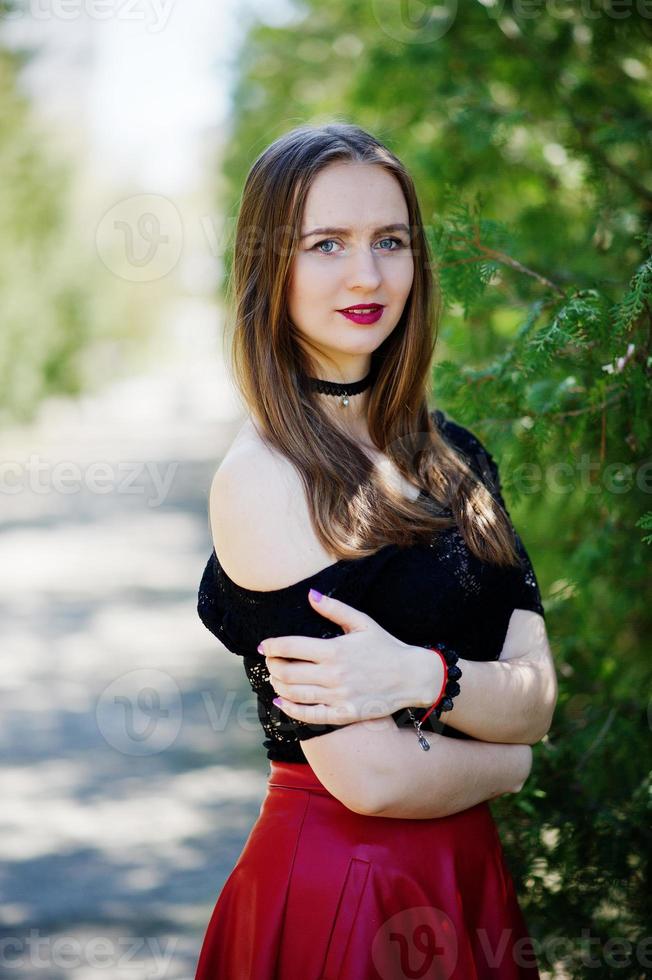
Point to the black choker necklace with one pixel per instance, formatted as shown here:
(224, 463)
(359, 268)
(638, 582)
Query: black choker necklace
(340, 388)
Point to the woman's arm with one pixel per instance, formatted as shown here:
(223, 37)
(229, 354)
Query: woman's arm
(368, 673)
(371, 766)
(377, 769)
(507, 700)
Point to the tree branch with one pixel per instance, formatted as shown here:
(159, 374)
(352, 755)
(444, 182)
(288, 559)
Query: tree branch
(583, 130)
(503, 259)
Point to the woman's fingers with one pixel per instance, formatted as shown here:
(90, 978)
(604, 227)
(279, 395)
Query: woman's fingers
(315, 714)
(303, 693)
(309, 648)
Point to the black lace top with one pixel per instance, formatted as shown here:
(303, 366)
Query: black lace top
(421, 594)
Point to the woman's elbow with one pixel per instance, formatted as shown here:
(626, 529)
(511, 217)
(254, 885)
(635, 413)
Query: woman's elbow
(364, 798)
(358, 788)
(533, 736)
(346, 763)
(547, 723)
(551, 702)
(548, 704)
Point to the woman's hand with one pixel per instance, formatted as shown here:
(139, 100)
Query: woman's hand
(367, 673)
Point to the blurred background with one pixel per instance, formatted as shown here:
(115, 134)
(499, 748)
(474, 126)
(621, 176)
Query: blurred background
(132, 764)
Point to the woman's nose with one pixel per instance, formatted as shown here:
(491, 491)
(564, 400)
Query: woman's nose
(362, 269)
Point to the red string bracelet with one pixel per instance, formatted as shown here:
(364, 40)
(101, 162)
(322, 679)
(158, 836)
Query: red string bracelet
(449, 689)
(443, 686)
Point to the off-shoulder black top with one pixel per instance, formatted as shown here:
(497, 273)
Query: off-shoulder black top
(421, 594)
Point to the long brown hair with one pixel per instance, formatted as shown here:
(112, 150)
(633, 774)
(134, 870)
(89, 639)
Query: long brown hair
(353, 512)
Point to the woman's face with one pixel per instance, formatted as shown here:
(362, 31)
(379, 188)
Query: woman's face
(357, 265)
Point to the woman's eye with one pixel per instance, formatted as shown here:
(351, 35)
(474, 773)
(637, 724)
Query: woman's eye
(328, 241)
(398, 241)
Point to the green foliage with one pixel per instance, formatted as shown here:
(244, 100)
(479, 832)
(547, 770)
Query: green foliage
(646, 522)
(65, 322)
(529, 140)
(636, 302)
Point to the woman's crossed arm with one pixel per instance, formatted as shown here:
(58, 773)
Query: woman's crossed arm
(376, 768)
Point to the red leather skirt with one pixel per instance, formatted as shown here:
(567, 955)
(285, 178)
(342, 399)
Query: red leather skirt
(322, 893)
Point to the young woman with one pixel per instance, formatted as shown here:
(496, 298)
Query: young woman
(365, 569)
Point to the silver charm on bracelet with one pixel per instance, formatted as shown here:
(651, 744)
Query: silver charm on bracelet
(423, 741)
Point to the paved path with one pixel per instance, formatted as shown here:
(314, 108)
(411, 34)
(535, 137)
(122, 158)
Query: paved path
(131, 768)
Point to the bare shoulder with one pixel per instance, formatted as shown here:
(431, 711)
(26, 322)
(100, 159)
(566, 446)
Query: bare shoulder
(259, 518)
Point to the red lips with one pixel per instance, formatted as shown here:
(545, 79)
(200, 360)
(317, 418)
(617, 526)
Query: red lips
(361, 306)
(373, 314)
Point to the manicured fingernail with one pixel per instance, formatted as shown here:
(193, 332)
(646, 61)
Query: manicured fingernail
(260, 649)
(277, 702)
(316, 596)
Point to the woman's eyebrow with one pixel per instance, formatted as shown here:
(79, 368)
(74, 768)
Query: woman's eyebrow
(346, 231)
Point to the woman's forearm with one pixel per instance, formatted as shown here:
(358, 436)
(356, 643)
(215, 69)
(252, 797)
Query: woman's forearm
(453, 775)
(506, 700)
(500, 701)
